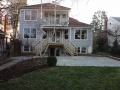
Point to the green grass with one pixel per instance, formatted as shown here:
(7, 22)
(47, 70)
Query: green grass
(67, 78)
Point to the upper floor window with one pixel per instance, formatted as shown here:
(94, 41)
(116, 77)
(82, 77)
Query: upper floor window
(30, 14)
(29, 33)
(45, 14)
(64, 15)
(57, 15)
(80, 34)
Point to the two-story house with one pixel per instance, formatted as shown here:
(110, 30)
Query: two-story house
(113, 27)
(49, 29)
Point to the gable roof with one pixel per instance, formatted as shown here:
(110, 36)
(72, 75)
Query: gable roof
(75, 22)
(45, 6)
(117, 18)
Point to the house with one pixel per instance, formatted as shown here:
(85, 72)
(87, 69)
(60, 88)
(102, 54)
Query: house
(48, 28)
(113, 26)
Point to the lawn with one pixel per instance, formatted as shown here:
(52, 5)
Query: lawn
(67, 78)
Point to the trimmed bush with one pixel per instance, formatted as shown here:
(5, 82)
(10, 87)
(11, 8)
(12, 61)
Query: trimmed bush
(51, 61)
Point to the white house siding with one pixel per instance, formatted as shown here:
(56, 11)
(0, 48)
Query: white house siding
(112, 23)
(28, 24)
(82, 43)
(33, 24)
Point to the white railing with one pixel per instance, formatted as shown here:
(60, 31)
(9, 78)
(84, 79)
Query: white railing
(41, 45)
(52, 21)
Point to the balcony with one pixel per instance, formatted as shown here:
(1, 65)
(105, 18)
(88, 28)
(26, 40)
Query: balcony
(57, 21)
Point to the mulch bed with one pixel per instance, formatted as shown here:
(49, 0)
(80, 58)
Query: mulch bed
(22, 68)
(3, 61)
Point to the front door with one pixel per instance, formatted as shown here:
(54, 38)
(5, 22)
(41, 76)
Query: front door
(56, 37)
(52, 51)
(57, 52)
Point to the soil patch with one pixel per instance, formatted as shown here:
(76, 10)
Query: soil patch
(22, 68)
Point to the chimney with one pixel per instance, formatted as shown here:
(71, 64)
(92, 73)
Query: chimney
(105, 23)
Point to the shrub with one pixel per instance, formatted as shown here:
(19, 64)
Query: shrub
(115, 49)
(51, 61)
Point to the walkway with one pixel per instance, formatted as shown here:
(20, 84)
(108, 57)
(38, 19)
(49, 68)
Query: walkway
(15, 60)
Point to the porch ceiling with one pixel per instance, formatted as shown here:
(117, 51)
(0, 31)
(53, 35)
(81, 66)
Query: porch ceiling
(52, 28)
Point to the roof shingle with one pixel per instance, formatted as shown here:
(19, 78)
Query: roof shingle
(117, 18)
(74, 22)
(45, 6)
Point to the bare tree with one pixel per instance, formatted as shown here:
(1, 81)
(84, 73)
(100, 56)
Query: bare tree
(13, 12)
(98, 20)
(114, 34)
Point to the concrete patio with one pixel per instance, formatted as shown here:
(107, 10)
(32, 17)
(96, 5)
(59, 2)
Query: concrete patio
(87, 61)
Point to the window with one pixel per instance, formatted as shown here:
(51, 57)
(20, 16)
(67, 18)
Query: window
(34, 15)
(27, 14)
(33, 33)
(84, 34)
(80, 34)
(58, 16)
(78, 49)
(28, 48)
(83, 49)
(66, 34)
(45, 14)
(64, 15)
(26, 33)
(29, 33)
(30, 14)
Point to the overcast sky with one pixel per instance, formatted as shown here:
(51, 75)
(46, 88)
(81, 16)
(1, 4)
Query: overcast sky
(83, 10)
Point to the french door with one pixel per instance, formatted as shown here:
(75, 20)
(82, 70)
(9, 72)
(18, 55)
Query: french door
(56, 37)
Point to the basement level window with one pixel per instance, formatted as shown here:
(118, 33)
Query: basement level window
(28, 48)
(83, 49)
(78, 49)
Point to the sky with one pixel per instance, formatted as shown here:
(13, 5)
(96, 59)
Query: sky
(83, 10)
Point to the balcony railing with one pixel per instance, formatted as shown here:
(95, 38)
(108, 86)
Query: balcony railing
(52, 21)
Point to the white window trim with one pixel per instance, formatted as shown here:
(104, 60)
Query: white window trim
(30, 14)
(30, 32)
(80, 31)
(85, 51)
(27, 51)
(81, 50)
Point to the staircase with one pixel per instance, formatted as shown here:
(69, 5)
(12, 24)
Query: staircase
(42, 46)
(70, 48)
